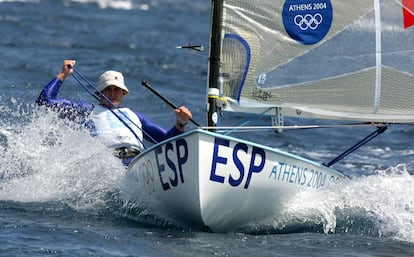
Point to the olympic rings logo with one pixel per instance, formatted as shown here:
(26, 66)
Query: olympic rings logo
(308, 21)
(147, 176)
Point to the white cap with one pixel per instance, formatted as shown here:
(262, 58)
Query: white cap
(111, 77)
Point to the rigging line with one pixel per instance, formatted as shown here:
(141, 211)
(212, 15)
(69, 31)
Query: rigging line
(242, 125)
(368, 138)
(406, 8)
(113, 106)
(246, 128)
(111, 110)
(84, 87)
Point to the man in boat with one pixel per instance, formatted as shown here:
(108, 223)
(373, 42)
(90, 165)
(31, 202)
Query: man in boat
(107, 120)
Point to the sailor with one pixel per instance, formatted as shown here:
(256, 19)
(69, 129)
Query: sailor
(125, 136)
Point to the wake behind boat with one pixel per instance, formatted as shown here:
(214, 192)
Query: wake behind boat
(325, 59)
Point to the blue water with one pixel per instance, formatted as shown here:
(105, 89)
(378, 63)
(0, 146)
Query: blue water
(59, 188)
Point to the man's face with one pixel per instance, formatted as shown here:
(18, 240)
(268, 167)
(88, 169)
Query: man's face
(114, 94)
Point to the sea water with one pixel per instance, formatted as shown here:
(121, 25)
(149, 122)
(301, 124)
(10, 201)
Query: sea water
(60, 188)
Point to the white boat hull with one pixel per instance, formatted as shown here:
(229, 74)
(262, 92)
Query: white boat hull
(209, 180)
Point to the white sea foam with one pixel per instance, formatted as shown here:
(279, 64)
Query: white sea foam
(103, 4)
(381, 205)
(46, 159)
(21, 1)
(115, 4)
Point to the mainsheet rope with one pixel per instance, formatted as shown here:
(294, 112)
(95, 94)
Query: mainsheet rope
(78, 76)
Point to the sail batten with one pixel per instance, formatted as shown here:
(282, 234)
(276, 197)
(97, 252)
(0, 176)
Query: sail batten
(378, 55)
(327, 58)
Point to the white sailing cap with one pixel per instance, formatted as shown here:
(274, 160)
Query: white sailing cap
(111, 77)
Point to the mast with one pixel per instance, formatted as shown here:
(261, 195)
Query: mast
(213, 107)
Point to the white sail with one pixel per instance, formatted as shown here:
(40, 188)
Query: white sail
(330, 59)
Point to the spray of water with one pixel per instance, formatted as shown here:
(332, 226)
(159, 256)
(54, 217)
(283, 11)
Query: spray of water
(379, 205)
(45, 158)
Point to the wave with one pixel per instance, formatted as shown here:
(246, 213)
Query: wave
(378, 205)
(20, 1)
(119, 4)
(50, 163)
(45, 158)
(115, 4)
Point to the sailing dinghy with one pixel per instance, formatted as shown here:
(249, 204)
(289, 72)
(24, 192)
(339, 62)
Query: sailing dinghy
(326, 59)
